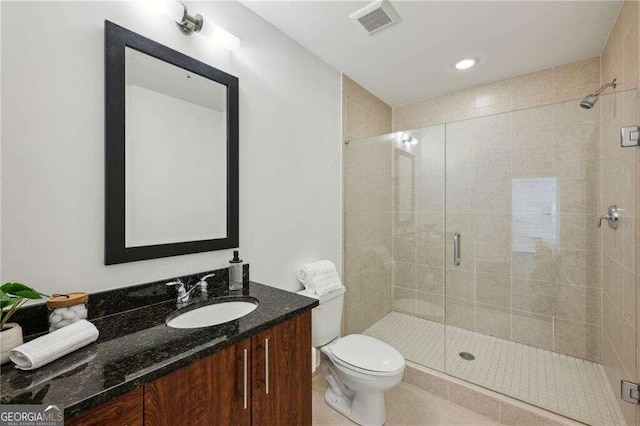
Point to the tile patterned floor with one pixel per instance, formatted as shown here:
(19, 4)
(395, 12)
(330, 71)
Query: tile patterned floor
(570, 386)
(406, 405)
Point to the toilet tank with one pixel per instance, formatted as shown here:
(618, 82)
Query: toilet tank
(326, 319)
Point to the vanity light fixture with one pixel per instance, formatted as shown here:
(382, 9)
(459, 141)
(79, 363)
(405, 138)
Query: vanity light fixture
(466, 63)
(190, 24)
(403, 137)
(406, 138)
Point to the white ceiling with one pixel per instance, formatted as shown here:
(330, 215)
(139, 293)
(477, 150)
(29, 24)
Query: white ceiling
(414, 59)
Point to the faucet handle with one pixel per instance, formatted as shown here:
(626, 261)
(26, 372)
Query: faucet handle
(177, 282)
(613, 214)
(203, 282)
(182, 291)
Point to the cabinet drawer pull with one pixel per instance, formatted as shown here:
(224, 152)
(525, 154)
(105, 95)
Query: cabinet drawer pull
(244, 394)
(266, 366)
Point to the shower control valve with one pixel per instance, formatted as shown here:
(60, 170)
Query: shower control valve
(613, 214)
(629, 136)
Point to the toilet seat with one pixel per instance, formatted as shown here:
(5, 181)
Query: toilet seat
(367, 355)
(357, 370)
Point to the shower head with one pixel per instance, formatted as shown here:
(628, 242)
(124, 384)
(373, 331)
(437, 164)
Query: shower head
(590, 100)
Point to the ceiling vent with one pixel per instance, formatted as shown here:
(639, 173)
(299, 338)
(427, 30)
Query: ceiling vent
(376, 16)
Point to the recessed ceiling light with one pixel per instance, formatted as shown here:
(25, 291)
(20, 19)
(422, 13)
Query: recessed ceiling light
(465, 64)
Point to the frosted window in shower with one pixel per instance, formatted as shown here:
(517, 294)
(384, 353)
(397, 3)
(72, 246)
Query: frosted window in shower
(535, 207)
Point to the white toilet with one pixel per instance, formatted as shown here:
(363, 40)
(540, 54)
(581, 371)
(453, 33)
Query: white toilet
(358, 368)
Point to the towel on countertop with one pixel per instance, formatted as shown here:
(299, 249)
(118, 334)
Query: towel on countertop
(319, 277)
(34, 378)
(43, 350)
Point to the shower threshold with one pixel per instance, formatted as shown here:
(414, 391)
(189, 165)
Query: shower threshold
(573, 387)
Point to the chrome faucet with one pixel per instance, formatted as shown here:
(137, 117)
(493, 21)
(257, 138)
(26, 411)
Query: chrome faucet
(184, 294)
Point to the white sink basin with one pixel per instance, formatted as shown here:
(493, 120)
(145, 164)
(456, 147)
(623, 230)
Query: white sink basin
(213, 314)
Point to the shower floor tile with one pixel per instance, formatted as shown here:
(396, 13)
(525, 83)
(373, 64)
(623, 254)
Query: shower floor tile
(570, 386)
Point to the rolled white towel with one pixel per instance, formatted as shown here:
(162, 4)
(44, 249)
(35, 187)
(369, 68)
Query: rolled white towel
(319, 277)
(73, 361)
(54, 345)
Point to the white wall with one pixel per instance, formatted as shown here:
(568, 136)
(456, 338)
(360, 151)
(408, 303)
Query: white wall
(53, 146)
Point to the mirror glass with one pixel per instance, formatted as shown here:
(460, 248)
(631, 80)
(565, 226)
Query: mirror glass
(405, 189)
(175, 154)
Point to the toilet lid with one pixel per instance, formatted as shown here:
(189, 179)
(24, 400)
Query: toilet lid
(367, 353)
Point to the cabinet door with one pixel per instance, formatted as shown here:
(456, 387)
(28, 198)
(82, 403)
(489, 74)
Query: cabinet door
(281, 369)
(215, 390)
(125, 410)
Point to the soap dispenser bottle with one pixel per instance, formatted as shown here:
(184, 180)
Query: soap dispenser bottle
(235, 272)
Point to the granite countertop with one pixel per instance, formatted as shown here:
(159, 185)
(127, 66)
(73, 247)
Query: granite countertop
(136, 347)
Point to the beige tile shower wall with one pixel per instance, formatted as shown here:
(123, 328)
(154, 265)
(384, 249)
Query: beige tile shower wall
(619, 186)
(363, 114)
(619, 280)
(367, 205)
(559, 84)
(549, 295)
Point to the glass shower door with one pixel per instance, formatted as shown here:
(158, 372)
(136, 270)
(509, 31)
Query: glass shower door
(473, 248)
(535, 306)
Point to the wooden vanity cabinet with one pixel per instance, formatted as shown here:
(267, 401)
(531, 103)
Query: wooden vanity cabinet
(281, 373)
(125, 410)
(275, 365)
(262, 380)
(215, 390)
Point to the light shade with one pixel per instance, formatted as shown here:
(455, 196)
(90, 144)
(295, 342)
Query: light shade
(190, 24)
(466, 63)
(170, 8)
(406, 138)
(403, 137)
(219, 35)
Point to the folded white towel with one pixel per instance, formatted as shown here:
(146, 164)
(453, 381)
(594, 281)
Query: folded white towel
(41, 375)
(319, 277)
(54, 345)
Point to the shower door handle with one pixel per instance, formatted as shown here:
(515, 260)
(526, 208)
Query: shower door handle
(456, 248)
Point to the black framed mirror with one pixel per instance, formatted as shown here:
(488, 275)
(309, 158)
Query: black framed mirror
(171, 151)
